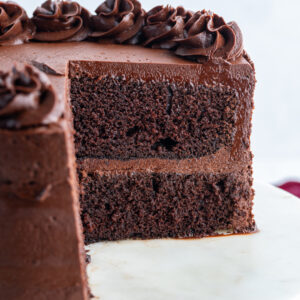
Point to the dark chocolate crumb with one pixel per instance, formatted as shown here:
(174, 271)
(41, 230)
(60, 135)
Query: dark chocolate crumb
(165, 205)
(45, 68)
(117, 118)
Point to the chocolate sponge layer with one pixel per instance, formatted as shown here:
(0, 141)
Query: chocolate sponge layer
(164, 205)
(116, 118)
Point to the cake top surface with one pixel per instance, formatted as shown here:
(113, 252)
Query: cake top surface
(197, 46)
(197, 36)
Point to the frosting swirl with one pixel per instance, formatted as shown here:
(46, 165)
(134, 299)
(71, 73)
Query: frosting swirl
(207, 35)
(26, 98)
(120, 20)
(165, 24)
(198, 36)
(15, 26)
(61, 21)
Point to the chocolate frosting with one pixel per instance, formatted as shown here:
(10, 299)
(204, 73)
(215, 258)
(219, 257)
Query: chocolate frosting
(165, 24)
(198, 36)
(207, 35)
(15, 26)
(61, 21)
(120, 20)
(26, 98)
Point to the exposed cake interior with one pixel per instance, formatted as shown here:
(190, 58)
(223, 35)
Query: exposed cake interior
(164, 205)
(142, 115)
(151, 149)
(161, 135)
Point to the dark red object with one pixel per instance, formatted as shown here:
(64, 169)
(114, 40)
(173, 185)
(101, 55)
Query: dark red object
(292, 187)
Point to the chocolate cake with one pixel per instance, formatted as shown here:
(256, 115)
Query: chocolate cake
(155, 108)
(41, 244)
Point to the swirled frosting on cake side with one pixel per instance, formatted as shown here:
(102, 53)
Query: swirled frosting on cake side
(165, 24)
(119, 20)
(15, 26)
(206, 35)
(61, 21)
(27, 98)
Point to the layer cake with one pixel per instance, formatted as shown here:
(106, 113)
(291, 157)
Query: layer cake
(156, 109)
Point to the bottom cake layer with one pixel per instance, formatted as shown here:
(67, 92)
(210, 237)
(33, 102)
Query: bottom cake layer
(144, 205)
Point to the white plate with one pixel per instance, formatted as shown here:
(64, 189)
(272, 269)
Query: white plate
(265, 265)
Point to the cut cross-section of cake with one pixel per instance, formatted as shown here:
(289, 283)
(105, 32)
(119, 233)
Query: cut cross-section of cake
(144, 132)
(162, 142)
(163, 148)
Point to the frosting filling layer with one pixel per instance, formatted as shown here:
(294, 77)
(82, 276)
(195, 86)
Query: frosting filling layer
(220, 162)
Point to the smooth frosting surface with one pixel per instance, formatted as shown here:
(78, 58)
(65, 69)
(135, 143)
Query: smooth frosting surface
(44, 257)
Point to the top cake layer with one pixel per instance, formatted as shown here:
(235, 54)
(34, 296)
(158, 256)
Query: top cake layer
(132, 110)
(133, 102)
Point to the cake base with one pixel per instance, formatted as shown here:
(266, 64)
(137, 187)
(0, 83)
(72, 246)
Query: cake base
(260, 266)
(149, 205)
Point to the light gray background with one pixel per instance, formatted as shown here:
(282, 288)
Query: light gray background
(272, 38)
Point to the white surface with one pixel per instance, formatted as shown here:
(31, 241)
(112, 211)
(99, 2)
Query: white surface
(271, 34)
(261, 266)
(277, 171)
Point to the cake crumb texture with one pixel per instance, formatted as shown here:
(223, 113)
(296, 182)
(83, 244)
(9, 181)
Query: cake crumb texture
(115, 118)
(164, 205)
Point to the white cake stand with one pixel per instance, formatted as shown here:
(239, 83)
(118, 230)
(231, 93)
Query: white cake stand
(264, 265)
